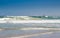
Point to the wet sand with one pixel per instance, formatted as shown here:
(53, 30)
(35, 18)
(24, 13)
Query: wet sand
(19, 33)
(26, 36)
(29, 31)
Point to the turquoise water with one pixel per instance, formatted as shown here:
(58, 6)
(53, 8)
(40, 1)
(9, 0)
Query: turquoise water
(11, 30)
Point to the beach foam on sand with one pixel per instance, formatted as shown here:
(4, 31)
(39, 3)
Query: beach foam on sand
(1, 29)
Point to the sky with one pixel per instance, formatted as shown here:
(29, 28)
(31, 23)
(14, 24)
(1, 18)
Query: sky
(30, 7)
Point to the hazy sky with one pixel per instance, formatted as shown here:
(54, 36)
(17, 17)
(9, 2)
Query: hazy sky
(30, 7)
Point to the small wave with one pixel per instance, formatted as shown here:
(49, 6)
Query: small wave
(34, 29)
(30, 28)
(54, 29)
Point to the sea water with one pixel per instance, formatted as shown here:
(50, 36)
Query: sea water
(13, 30)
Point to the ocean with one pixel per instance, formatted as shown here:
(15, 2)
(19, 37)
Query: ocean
(25, 30)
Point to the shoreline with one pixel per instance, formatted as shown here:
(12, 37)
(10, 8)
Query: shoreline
(30, 28)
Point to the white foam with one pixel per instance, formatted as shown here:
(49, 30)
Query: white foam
(1, 29)
(34, 29)
(40, 29)
(30, 21)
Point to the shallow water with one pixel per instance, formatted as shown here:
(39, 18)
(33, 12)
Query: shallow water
(10, 31)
